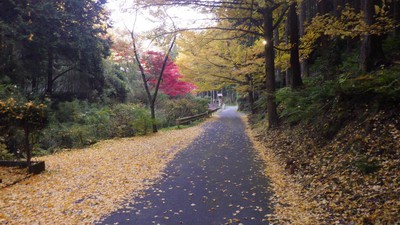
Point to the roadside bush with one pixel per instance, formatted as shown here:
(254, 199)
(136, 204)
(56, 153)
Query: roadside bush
(337, 98)
(99, 120)
(4, 153)
(73, 111)
(383, 82)
(142, 121)
(78, 124)
(304, 104)
(69, 135)
(184, 106)
(128, 120)
(122, 118)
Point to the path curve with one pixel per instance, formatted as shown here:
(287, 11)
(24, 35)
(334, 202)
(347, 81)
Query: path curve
(218, 179)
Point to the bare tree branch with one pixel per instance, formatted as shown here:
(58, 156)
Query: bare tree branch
(163, 68)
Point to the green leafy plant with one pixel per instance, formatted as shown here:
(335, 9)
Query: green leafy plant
(4, 153)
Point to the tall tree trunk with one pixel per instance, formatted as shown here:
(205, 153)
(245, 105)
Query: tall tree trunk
(250, 94)
(323, 6)
(371, 53)
(50, 65)
(251, 102)
(302, 21)
(311, 6)
(337, 7)
(153, 116)
(294, 50)
(278, 73)
(34, 85)
(288, 72)
(356, 4)
(272, 114)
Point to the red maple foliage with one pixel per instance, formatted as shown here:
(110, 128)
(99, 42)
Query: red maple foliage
(171, 84)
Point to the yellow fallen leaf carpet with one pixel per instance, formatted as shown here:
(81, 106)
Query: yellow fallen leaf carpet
(80, 186)
(289, 207)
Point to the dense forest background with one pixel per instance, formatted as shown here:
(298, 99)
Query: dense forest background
(320, 78)
(69, 81)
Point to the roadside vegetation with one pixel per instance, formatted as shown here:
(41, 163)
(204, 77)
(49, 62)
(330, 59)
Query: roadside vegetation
(339, 140)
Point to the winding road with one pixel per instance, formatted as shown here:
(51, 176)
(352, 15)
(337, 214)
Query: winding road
(218, 179)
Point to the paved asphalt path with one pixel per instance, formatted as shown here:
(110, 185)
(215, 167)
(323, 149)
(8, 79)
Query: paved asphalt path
(216, 180)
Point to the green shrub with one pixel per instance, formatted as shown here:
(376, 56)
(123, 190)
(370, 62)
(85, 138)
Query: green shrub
(4, 153)
(80, 135)
(339, 96)
(77, 123)
(142, 121)
(384, 83)
(67, 135)
(73, 111)
(122, 118)
(391, 45)
(100, 121)
(304, 104)
(184, 106)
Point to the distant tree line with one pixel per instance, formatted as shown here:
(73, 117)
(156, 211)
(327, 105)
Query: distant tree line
(54, 48)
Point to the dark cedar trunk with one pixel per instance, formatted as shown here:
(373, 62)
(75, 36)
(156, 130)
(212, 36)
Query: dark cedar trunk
(250, 94)
(302, 21)
(371, 53)
(251, 102)
(294, 50)
(356, 5)
(50, 65)
(337, 7)
(34, 83)
(322, 7)
(272, 114)
(311, 6)
(288, 72)
(288, 79)
(278, 73)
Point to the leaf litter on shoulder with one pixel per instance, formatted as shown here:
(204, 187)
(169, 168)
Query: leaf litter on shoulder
(288, 204)
(350, 179)
(81, 186)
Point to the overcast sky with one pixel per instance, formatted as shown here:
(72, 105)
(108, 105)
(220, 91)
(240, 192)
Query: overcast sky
(123, 18)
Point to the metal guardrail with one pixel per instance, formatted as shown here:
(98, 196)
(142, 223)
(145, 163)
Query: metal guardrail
(188, 119)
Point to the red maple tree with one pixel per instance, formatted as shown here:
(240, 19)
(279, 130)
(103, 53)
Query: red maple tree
(171, 84)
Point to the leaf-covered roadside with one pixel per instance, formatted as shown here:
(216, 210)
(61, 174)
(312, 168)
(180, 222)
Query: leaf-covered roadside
(80, 186)
(12, 175)
(353, 178)
(288, 204)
